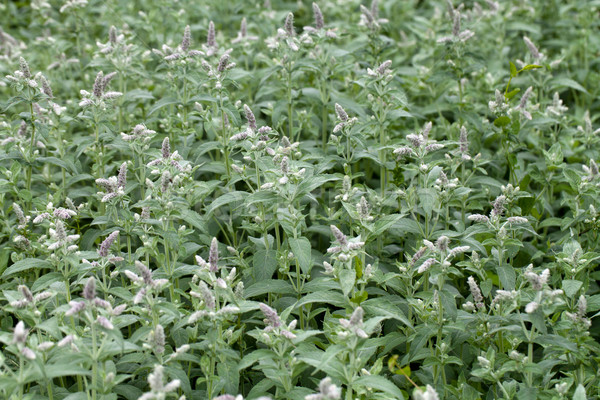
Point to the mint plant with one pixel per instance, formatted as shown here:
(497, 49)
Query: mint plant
(309, 201)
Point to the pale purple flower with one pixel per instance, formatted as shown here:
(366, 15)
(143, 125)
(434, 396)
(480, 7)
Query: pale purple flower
(355, 323)
(101, 303)
(98, 87)
(367, 17)
(537, 281)
(517, 220)
(319, 22)
(207, 295)
(250, 117)
(531, 307)
(20, 333)
(60, 212)
(105, 323)
(426, 265)
(24, 68)
(213, 255)
(28, 353)
(523, 103)
(187, 39)
(475, 292)
(341, 113)
(417, 256)
(272, 318)
(165, 149)
(428, 394)
(403, 151)
(478, 218)
(458, 250)
(107, 243)
(145, 273)
(327, 391)
(339, 236)
(46, 89)
(76, 308)
(20, 215)
(289, 25)
(67, 340)
(210, 37)
(498, 206)
(535, 54)
(122, 176)
(284, 165)
(223, 63)
(442, 243)
(89, 290)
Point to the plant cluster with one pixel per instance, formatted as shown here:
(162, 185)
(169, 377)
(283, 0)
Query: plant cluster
(295, 200)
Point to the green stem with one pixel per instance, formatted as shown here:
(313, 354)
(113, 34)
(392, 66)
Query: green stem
(289, 101)
(224, 137)
(382, 158)
(324, 125)
(504, 392)
(94, 361)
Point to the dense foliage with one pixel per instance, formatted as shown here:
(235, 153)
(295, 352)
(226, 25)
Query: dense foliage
(287, 200)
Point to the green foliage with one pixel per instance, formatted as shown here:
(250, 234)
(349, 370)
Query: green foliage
(204, 200)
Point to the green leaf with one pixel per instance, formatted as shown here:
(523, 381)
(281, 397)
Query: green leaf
(526, 203)
(275, 286)
(77, 396)
(384, 307)
(264, 264)
(579, 393)
(129, 392)
(448, 303)
(330, 297)
(26, 264)
(301, 249)
(527, 393)
(138, 94)
(507, 276)
(254, 357)
(420, 340)
(177, 373)
(571, 287)
(194, 219)
(427, 199)
(502, 121)
(359, 297)
(165, 101)
(384, 223)
(347, 280)
(513, 69)
(309, 184)
(555, 340)
(46, 280)
(229, 376)
(227, 198)
(64, 369)
(531, 66)
(380, 383)
(567, 82)
(62, 163)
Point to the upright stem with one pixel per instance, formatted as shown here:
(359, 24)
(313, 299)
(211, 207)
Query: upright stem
(289, 101)
(382, 158)
(224, 137)
(98, 146)
(94, 362)
(530, 356)
(31, 149)
(324, 125)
